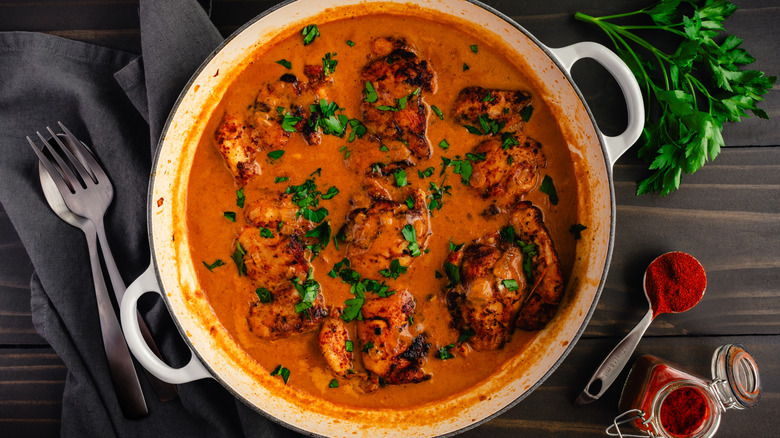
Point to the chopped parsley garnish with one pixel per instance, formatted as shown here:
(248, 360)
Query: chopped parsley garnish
(280, 179)
(455, 247)
(289, 121)
(264, 295)
(395, 269)
(400, 177)
(359, 287)
(437, 196)
(329, 64)
(285, 63)
(476, 158)
(322, 233)
(488, 126)
(369, 345)
(350, 43)
(371, 95)
(508, 140)
(230, 215)
(474, 48)
(265, 232)
(465, 335)
(309, 33)
(238, 258)
(345, 151)
(349, 346)
(577, 230)
(526, 112)
(383, 148)
(400, 103)
(437, 111)
(548, 187)
(324, 115)
(332, 191)
(530, 250)
(275, 155)
(462, 167)
(507, 234)
(437, 274)
(333, 384)
(217, 263)
(411, 236)
(426, 173)
(465, 66)
(281, 371)
(444, 352)
(511, 285)
(358, 129)
(308, 291)
(306, 196)
(453, 274)
(240, 198)
(444, 144)
(489, 97)
(409, 201)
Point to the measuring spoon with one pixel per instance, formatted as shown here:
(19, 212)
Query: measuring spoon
(616, 360)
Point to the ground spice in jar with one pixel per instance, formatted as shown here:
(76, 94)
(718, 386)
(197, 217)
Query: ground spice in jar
(674, 282)
(683, 411)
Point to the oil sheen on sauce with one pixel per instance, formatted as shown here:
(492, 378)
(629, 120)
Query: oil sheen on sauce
(212, 191)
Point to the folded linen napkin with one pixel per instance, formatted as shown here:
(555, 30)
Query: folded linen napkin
(117, 103)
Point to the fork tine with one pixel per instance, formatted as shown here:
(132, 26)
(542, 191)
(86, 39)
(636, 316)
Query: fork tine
(75, 163)
(72, 179)
(62, 183)
(85, 155)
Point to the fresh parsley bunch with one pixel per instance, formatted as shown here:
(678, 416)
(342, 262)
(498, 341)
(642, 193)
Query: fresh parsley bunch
(690, 92)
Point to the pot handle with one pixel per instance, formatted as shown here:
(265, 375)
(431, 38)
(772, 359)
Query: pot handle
(146, 283)
(569, 55)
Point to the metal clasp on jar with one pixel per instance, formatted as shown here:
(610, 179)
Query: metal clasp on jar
(627, 417)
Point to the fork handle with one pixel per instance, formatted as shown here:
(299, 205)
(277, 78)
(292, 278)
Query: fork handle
(165, 391)
(120, 363)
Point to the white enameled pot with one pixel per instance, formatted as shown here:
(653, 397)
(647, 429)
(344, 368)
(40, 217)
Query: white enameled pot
(216, 355)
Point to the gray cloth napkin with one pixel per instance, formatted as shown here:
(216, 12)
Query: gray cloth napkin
(117, 103)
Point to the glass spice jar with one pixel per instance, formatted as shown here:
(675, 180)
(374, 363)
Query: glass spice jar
(661, 400)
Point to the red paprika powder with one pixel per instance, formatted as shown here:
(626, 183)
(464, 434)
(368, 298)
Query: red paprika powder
(674, 282)
(683, 411)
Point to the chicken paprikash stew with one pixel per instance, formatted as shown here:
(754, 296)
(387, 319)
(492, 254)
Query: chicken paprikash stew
(384, 209)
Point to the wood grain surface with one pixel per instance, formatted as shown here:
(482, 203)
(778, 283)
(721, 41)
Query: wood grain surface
(727, 215)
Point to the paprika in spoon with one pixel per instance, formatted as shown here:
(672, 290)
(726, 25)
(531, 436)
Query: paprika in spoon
(673, 283)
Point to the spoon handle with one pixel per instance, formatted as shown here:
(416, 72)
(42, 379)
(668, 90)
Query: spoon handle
(614, 363)
(120, 364)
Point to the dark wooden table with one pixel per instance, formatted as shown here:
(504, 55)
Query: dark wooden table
(727, 215)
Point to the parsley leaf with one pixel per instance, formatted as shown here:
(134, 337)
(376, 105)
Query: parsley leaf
(308, 291)
(437, 111)
(275, 155)
(329, 64)
(395, 269)
(400, 177)
(691, 91)
(350, 43)
(309, 33)
(240, 198)
(371, 95)
(511, 285)
(444, 352)
(474, 48)
(217, 263)
(289, 121)
(285, 63)
(526, 112)
(264, 295)
(281, 371)
(453, 274)
(333, 384)
(230, 215)
(411, 236)
(548, 187)
(238, 259)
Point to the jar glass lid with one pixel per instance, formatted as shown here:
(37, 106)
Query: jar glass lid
(735, 374)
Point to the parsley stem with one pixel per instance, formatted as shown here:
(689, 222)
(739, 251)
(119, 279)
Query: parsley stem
(666, 28)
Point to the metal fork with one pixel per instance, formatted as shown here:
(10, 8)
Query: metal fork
(120, 364)
(165, 391)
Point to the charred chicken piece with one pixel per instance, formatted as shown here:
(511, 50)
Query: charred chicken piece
(278, 318)
(546, 289)
(506, 174)
(280, 108)
(390, 351)
(277, 213)
(274, 260)
(395, 110)
(489, 294)
(333, 344)
(378, 234)
(503, 106)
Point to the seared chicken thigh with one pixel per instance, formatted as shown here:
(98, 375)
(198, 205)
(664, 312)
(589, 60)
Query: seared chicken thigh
(503, 106)
(384, 231)
(390, 351)
(506, 173)
(333, 344)
(392, 99)
(491, 292)
(278, 318)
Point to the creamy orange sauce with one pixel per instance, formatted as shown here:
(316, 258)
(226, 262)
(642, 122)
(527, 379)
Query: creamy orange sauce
(212, 191)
